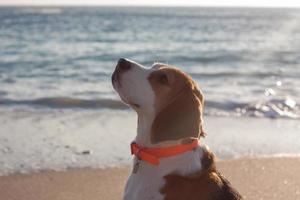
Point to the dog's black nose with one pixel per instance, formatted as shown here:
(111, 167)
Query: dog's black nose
(123, 64)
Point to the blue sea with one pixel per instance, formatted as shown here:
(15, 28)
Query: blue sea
(247, 61)
(56, 63)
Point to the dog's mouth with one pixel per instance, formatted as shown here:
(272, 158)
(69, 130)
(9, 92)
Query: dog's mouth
(135, 105)
(115, 79)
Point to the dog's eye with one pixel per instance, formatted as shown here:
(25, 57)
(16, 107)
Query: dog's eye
(163, 79)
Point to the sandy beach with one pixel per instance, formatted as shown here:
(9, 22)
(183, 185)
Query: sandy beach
(66, 135)
(255, 178)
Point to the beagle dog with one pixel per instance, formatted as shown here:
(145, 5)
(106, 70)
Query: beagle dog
(169, 162)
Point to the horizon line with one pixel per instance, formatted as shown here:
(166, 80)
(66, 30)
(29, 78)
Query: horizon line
(146, 5)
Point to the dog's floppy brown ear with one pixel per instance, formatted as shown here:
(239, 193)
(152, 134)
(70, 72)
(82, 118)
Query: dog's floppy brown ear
(180, 119)
(199, 94)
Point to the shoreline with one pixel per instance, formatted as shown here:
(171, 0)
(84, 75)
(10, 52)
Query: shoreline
(255, 178)
(64, 139)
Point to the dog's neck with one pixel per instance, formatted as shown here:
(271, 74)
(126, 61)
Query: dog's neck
(143, 137)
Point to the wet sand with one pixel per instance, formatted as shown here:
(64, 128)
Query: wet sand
(255, 178)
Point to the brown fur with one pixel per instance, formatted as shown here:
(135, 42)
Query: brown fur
(178, 106)
(205, 185)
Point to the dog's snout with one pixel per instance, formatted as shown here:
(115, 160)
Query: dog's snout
(123, 64)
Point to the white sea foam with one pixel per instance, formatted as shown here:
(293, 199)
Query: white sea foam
(39, 139)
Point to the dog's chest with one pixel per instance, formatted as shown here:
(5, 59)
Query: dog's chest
(149, 179)
(144, 184)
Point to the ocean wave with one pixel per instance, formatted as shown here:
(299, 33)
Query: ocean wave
(225, 74)
(274, 108)
(66, 102)
(206, 59)
(40, 11)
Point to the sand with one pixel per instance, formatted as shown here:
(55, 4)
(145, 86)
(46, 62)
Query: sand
(255, 178)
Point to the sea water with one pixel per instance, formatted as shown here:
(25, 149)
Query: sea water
(58, 108)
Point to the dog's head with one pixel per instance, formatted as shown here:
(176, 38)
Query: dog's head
(164, 92)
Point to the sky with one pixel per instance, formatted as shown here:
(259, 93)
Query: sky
(239, 3)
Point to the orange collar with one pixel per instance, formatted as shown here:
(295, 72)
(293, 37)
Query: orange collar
(152, 155)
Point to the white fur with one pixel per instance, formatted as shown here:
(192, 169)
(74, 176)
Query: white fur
(136, 88)
(146, 183)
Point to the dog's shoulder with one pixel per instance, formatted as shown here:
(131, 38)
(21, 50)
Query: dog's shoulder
(208, 184)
